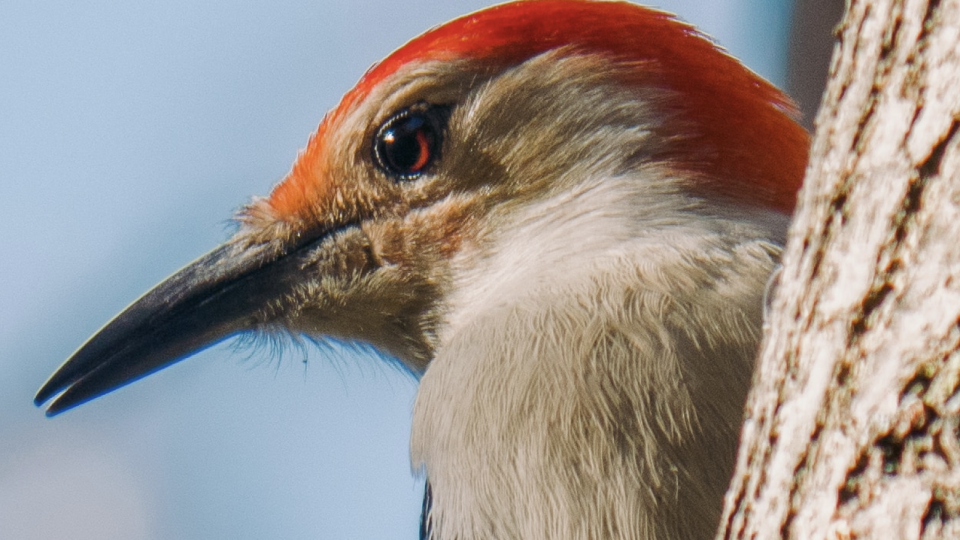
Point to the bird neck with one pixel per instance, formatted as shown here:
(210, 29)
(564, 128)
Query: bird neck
(592, 368)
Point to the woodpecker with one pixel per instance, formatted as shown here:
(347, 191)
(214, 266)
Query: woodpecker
(561, 216)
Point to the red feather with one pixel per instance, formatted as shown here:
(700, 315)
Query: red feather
(744, 134)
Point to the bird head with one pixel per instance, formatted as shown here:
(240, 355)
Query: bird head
(408, 183)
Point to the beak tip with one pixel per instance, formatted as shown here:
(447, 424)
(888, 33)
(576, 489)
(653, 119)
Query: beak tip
(57, 406)
(52, 411)
(41, 397)
(48, 394)
(49, 389)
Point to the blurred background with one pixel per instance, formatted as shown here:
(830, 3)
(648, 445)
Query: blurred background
(129, 133)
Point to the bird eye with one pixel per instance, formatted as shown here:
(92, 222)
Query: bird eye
(409, 142)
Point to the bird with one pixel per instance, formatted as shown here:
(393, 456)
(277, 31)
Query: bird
(561, 216)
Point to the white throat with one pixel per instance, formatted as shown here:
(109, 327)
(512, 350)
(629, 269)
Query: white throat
(593, 364)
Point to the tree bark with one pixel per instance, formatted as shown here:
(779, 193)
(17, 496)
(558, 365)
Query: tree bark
(851, 428)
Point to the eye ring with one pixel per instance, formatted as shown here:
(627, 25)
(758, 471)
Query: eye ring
(408, 143)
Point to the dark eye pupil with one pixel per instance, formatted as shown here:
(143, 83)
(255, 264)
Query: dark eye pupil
(408, 143)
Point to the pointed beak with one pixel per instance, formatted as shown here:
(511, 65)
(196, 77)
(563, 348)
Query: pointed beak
(224, 292)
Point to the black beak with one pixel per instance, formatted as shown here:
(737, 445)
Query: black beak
(222, 293)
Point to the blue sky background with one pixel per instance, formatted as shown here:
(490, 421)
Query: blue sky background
(129, 133)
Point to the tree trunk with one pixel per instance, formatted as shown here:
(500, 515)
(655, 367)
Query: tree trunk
(851, 429)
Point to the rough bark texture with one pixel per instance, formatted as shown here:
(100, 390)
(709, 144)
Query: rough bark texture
(851, 429)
